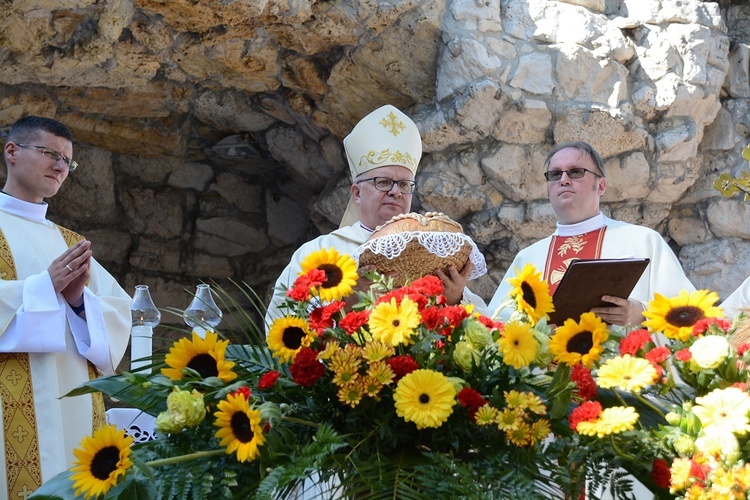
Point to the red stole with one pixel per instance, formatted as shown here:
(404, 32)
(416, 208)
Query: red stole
(565, 249)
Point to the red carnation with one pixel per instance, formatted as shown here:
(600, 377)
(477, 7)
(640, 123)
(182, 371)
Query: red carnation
(743, 348)
(429, 285)
(432, 318)
(588, 411)
(703, 325)
(699, 471)
(268, 379)
(660, 473)
(402, 365)
(244, 390)
(322, 317)
(492, 325)
(683, 355)
(298, 293)
(634, 342)
(585, 382)
(658, 354)
(471, 399)
(397, 294)
(743, 386)
(354, 320)
(306, 369)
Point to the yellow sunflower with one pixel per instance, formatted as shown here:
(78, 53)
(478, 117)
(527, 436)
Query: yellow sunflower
(675, 317)
(531, 294)
(206, 356)
(102, 458)
(611, 421)
(517, 344)
(240, 429)
(575, 343)
(287, 336)
(424, 397)
(393, 323)
(626, 373)
(340, 269)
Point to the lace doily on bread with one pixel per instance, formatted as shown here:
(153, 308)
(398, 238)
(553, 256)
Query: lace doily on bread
(413, 245)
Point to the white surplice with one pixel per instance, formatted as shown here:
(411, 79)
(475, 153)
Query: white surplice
(36, 320)
(738, 300)
(663, 275)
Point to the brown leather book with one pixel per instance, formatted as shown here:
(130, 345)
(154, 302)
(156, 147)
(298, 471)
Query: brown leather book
(586, 280)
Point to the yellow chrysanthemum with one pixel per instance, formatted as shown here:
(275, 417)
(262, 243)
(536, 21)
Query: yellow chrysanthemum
(340, 269)
(626, 373)
(395, 324)
(346, 373)
(531, 294)
(101, 460)
(287, 336)
(330, 347)
(675, 317)
(517, 344)
(509, 419)
(371, 386)
(514, 399)
(240, 429)
(611, 421)
(575, 343)
(522, 435)
(206, 356)
(424, 397)
(535, 404)
(724, 409)
(351, 394)
(375, 351)
(540, 430)
(381, 371)
(486, 415)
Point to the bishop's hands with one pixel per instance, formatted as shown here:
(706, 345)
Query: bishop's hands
(71, 271)
(455, 281)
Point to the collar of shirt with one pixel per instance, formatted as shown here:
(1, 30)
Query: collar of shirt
(33, 211)
(582, 227)
(365, 227)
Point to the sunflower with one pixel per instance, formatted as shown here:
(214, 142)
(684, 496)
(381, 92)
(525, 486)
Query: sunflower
(287, 336)
(424, 397)
(626, 373)
(531, 294)
(394, 323)
(102, 458)
(725, 409)
(575, 343)
(675, 317)
(611, 421)
(206, 356)
(517, 344)
(340, 269)
(240, 429)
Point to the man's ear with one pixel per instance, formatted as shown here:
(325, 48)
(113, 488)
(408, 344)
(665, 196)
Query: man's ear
(602, 186)
(10, 152)
(355, 192)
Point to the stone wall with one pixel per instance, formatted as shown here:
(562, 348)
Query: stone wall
(153, 89)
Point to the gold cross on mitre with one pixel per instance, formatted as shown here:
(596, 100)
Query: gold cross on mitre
(729, 186)
(392, 124)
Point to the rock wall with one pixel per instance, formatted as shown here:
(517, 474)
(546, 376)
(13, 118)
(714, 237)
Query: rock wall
(209, 132)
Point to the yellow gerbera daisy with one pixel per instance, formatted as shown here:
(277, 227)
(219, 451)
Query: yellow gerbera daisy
(424, 397)
(725, 409)
(522, 435)
(287, 336)
(206, 356)
(626, 373)
(394, 323)
(531, 294)
(240, 429)
(102, 458)
(611, 421)
(675, 317)
(340, 269)
(517, 344)
(575, 343)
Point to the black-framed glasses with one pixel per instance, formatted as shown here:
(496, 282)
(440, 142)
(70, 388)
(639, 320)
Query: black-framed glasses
(385, 184)
(573, 173)
(52, 154)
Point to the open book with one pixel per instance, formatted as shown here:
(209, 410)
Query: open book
(586, 280)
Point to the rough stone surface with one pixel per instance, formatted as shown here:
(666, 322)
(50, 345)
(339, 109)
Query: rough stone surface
(154, 91)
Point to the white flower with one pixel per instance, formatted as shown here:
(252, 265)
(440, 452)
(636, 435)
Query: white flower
(719, 444)
(710, 351)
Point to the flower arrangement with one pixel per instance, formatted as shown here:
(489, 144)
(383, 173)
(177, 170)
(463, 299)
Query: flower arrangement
(366, 389)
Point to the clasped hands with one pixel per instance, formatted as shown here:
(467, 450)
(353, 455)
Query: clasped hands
(71, 271)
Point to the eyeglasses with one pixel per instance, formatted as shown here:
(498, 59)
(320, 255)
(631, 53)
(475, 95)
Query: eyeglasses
(573, 173)
(54, 155)
(385, 184)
